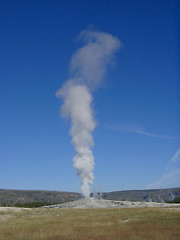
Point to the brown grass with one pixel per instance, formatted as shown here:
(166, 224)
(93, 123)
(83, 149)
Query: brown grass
(92, 224)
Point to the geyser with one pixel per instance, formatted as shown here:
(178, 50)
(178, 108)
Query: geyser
(88, 67)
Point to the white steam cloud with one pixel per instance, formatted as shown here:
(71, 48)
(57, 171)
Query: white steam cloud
(88, 67)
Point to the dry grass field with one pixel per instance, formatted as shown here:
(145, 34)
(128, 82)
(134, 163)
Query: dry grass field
(92, 224)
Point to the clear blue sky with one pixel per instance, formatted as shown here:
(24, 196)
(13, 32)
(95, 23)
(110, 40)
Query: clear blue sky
(137, 107)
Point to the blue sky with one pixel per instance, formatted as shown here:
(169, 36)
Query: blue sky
(137, 138)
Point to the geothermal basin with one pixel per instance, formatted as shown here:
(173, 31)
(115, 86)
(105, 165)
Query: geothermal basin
(89, 203)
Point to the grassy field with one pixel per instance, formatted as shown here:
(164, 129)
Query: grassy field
(91, 224)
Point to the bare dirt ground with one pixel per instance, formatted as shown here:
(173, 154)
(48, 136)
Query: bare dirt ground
(11, 209)
(6, 212)
(89, 203)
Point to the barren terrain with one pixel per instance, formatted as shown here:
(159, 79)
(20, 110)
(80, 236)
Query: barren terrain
(88, 203)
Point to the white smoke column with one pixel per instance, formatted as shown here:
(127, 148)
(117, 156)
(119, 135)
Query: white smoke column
(88, 67)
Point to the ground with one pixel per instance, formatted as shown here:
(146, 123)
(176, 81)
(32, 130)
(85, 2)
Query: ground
(126, 223)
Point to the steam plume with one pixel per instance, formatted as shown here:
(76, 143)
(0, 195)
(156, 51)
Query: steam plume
(88, 67)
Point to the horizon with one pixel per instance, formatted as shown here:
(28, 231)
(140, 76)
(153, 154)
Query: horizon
(45, 190)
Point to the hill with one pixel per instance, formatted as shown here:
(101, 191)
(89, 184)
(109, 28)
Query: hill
(15, 197)
(155, 195)
(39, 198)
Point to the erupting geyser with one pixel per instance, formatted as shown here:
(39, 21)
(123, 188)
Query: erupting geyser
(88, 67)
